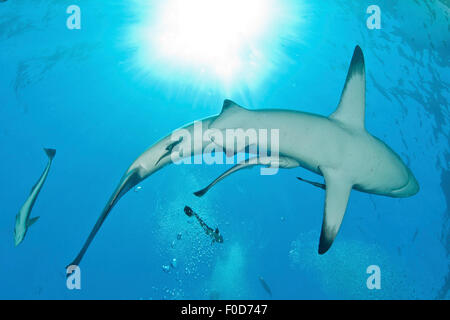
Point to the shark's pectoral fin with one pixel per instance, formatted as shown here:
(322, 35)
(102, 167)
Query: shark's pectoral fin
(337, 194)
(352, 105)
(31, 221)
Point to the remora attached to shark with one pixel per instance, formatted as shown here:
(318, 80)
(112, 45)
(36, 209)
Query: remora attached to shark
(23, 220)
(337, 147)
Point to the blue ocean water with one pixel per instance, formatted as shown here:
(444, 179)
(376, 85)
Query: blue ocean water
(102, 94)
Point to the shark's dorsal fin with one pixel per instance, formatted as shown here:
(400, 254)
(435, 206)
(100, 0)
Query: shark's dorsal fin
(352, 105)
(337, 194)
(31, 221)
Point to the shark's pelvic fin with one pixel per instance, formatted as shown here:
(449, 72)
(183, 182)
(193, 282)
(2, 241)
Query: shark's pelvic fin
(31, 221)
(316, 184)
(336, 199)
(229, 108)
(351, 107)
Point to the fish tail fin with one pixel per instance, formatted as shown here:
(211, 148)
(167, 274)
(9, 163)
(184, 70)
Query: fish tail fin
(31, 221)
(188, 211)
(50, 153)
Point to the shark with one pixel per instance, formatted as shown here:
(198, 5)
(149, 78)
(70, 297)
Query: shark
(23, 220)
(337, 147)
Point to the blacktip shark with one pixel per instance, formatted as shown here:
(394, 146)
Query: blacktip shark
(337, 147)
(23, 220)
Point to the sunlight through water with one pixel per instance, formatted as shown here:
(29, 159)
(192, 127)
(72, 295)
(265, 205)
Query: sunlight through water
(212, 44)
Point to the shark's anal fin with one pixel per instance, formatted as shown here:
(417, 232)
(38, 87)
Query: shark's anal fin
(31, 221)
(336, 199)
(352, 105)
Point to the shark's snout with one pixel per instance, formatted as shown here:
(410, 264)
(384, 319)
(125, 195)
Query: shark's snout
(409, 189)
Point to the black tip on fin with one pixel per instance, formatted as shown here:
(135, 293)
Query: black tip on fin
(50, 152)
(188, 211)
(325, 242)
(357, 64)
(201, 193)
(227, 103)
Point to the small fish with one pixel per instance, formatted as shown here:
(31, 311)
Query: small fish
(214, 234)
(265, 285)
(23, 220)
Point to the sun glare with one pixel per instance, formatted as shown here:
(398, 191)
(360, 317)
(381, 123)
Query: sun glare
(224, 42)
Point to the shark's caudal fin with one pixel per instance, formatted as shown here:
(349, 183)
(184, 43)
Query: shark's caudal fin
(50, 153)
(336, 199)
(351, 107)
